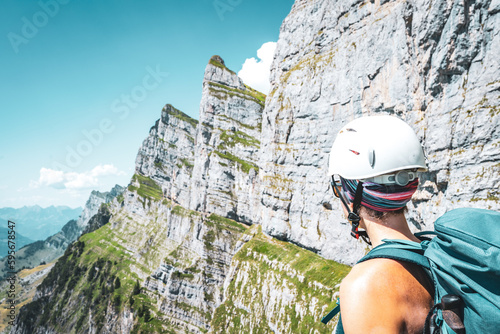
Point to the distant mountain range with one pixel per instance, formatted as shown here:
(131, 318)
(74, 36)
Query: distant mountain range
(20, 241)
(30, 254)
(37, 223)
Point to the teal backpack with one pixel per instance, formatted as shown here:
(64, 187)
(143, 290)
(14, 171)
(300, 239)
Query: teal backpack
(463, 261)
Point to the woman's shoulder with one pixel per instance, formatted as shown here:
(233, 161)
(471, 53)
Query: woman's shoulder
(384, 276)
(388, 294)
(372, 275)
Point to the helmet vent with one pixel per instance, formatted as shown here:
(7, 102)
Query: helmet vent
(371, 157)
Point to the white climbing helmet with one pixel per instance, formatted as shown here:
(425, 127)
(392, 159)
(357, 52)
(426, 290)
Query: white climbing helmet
(380, 149)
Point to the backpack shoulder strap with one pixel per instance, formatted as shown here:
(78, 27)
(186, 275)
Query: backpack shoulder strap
(400, 250)
(331, 314)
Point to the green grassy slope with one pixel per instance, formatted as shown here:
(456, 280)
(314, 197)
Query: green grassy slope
(278, 286)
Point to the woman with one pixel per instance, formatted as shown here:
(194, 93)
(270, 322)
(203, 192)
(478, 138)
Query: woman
(373, 165)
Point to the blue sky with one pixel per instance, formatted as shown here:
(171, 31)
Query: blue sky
(83, 81)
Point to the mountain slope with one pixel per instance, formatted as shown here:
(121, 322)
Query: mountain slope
(20, 240)
(25, 288)
(137, 249)
(39, 252)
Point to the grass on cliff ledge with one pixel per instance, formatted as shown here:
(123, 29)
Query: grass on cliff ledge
(231, 138)
(147, 187)
(272, 265)
(248, 93)
(100, 261)
(307, 263)
(213, 61)
(182, 116)
(246, 166)
(225, 223)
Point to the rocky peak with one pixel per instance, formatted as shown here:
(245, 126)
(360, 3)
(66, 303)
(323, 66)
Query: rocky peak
(228, 139)
(217, 72)
(217, 59)
(167, 154)
(167, 111)
(188, 124)
(114, 192)
(218, 174)
(218, 62)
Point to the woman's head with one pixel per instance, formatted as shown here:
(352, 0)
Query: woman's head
(376, 159)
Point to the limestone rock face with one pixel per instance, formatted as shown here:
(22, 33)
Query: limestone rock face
(167, 154)
(433, 64)
(225, 175)
(210, 165)
(270, 282)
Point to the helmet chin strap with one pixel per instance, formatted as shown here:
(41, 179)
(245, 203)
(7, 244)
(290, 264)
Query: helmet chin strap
(353, 216)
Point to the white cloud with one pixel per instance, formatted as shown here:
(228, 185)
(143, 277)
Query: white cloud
(72, 180)
(50, 177)
(103, 170)
(255, 73)
(80, 181)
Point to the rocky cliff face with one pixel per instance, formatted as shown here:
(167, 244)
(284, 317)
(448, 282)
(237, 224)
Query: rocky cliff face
(158, 262)
(276, 287)
(434, 64)
(96, 199)
(167, 154)
(224, 179)
(210, 165)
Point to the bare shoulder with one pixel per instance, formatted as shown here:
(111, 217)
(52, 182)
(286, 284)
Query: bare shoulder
(377, 278)
(383, 295)
(377, 273)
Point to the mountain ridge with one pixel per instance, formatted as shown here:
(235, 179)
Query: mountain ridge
(174, 264)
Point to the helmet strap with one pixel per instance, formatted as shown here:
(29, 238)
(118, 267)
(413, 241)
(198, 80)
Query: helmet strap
(357, 199)
(354, 218)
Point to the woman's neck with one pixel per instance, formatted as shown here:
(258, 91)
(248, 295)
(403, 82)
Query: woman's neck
(391, 227)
